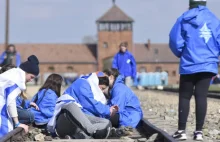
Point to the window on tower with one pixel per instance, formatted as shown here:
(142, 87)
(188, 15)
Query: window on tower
(105, 45)
(114, 27)
(104, 26)
(126, 26)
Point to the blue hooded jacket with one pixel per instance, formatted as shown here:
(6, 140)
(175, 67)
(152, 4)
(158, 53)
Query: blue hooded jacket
(130, 112)
(195, 40)
(46, 102)
(81, 91)
(125, 63)
(18, 58)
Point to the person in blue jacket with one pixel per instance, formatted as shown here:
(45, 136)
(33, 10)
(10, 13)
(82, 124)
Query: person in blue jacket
(43, 103)
(129, 108)
(124, 62)
(10, 56)
(195, 40)
(81, 91)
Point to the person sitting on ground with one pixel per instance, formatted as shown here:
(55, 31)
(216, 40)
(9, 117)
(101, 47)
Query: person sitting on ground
(12, 82)
(69, 121)
(43, 103)
(88, 91)
(129, 108)
(89, 105)
(10, 56)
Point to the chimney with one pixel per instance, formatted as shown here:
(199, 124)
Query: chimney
(148, 44)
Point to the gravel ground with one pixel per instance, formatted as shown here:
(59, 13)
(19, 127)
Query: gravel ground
(161, 108)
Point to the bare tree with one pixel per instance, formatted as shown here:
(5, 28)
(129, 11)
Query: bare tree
(89, 39)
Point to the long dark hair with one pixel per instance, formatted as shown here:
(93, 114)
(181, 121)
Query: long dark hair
(6, 67)
(112, 71)
(53, 82)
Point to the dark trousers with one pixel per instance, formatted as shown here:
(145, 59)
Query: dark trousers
(115, 120)
(198, 84)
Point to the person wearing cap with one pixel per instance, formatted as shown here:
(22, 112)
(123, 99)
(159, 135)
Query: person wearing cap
(13, 82)
(195, 39)
(125, 62)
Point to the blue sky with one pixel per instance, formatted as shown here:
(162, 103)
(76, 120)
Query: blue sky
(68, 21)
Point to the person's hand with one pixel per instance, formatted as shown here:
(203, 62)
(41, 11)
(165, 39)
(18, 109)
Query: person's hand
(25, 127)
(34, 105)
(113, 110)
(116, 108)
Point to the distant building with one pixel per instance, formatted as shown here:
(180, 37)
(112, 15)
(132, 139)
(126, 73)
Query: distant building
(113, 28)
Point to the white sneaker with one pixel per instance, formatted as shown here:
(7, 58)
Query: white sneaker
(198, 136)
(180, 135)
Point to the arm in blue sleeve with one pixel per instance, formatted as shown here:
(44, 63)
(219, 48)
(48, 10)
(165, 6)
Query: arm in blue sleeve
(216, 33)
(47, 105)
(2, 57)
(90, 104)
(176, 41)
(118, 98)
(18, 59)
(27, 103)
(114, 62)
(133, 64)
(19, 101)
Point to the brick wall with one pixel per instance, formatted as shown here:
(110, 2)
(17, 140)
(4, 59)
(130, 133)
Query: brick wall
(113, 40)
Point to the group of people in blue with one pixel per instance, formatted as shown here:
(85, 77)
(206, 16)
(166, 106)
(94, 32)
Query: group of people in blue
(95, 103)
(88, 108)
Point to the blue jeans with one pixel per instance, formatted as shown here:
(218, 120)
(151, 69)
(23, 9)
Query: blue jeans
(25, 116)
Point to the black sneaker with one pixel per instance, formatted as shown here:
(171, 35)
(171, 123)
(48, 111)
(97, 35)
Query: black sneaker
(198, 136)
(180, 135)
(102, 134)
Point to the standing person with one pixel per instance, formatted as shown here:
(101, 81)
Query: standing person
(194, 39)
(12, 82)
(10, 56)
(124, 62)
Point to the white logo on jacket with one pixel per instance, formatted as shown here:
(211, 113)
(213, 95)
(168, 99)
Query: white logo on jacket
(128, 61)
(205, 33)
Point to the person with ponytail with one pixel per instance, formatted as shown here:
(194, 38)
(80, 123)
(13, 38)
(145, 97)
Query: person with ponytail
(129, 108)
(12, 83)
